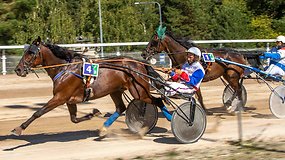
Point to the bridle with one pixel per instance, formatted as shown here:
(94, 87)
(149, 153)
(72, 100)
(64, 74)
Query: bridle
(151, 51)
(33, 50)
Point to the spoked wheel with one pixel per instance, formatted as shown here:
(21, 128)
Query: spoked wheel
(276, 104)
(185, 130)
(227, 95)
(141, 115)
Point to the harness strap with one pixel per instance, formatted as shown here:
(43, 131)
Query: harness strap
(62, 72)
(76, 75)
(58, 75)
(208, 66)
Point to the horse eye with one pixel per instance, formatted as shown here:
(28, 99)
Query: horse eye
(155, 37)
(28, 57)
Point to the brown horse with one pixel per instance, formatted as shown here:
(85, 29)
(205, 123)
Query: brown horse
(115, 76)
(165, 41)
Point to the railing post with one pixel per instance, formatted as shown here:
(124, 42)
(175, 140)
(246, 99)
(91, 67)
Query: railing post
(267, 47)
(267, 50)
(118, 51)
(4, 71)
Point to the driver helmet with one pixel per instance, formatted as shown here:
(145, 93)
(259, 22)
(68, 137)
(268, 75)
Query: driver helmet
(194, 50)
(280, 39)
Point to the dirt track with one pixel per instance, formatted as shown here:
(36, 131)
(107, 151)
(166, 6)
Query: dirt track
(54, 136)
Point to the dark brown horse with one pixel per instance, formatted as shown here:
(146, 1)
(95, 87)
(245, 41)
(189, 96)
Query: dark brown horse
(165, 41)
(115, 76)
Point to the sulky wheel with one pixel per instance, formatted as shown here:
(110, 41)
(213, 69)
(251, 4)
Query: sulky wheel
(276, 104)
(140, 115)
(183, 129)
(228, 93)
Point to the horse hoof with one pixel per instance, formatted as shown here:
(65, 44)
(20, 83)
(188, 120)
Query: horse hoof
(96, 112)
(17, 131)
(103, 132)
(143, 132)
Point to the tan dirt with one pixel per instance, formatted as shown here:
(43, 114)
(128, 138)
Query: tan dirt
(54, 137)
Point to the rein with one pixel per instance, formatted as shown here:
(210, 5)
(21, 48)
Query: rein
(56, 65)
(98, 60)
(161, 69)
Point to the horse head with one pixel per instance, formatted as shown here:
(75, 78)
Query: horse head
(31, 58)
(156, 44)
(164, 41)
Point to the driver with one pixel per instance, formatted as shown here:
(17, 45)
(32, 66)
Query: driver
(277, 58)
(189, 77)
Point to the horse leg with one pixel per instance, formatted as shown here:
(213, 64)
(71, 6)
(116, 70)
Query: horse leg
(237, 94)
(72, 108)
(200, 99)
(144, 96)
(120, 108)
(233, 79)
(52, 103)
(230, 100)
(159, 103)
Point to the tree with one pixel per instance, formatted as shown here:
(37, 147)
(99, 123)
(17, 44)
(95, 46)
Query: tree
(232, 20)
(12, 14)
(88, 20)
(63, 20)
(271, 8)
(48, 20)
(190, 18)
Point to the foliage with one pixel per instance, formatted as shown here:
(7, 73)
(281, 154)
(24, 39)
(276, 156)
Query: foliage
(12, 14)
(50, 20)
(190, 18)
(272, 8)
(63, 21)
(262, 28)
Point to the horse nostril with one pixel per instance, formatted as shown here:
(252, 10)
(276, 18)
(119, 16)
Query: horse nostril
(143, 54)
(17, 70)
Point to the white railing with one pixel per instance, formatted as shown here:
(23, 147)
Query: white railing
(3, 48)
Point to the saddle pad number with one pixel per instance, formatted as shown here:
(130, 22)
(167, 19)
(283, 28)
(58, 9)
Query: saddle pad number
(90, 69)
(208, 57)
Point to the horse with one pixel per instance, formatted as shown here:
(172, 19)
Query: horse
(64, 68)
(164, 41)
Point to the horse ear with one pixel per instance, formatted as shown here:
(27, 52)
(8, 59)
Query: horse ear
(39, 40)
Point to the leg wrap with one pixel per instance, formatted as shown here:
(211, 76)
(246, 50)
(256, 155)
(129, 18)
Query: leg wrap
(166, 113)
(111, 119)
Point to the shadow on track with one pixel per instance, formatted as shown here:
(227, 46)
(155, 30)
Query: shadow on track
(21, 107)
(43, 138)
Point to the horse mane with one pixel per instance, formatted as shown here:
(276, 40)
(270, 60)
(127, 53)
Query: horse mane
(120, 57)
(62, 53)
(188, 43)
(252, 57)
(222, 50)
(185, 42)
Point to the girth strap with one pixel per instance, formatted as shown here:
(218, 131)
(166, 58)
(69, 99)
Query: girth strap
(58, 75)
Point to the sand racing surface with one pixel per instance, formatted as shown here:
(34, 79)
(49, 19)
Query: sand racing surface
(54, 136)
